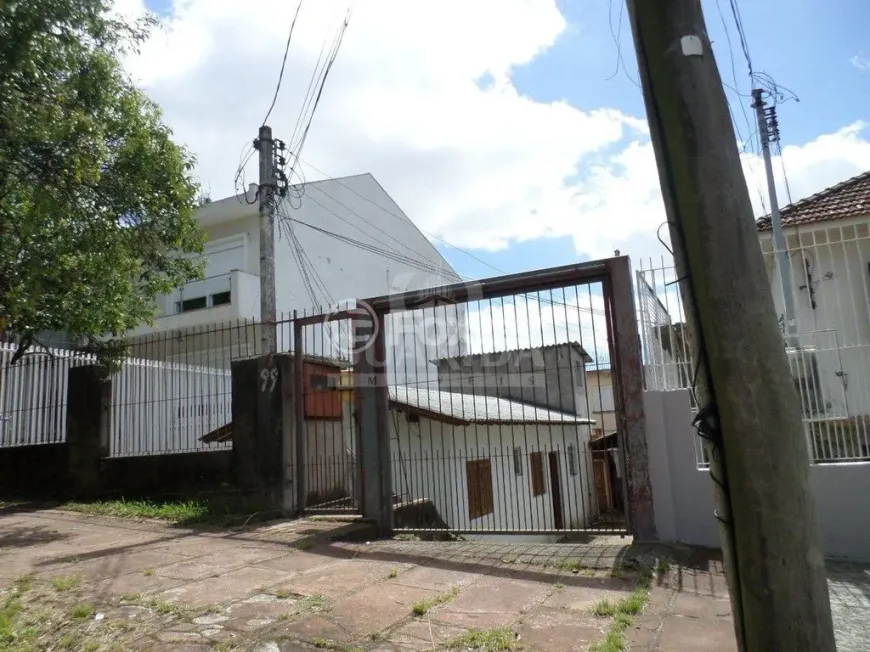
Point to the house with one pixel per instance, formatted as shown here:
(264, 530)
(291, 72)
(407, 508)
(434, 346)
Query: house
(336, 241)
(599, 398)
(551, 376)
(828, 250)
(477, 462)
(489, 463)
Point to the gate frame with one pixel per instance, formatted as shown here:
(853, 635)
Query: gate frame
(372, 401)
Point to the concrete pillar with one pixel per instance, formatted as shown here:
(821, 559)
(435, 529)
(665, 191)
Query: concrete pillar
(259, 437)
(89, 396)
(625, 352)
(373, 424)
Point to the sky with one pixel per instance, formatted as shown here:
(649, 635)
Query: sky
(513, 130)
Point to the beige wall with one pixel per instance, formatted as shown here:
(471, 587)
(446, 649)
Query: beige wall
(604, 421)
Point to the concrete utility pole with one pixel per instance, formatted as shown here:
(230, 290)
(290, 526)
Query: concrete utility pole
(266, 195)
(779, 245)
(750, 413)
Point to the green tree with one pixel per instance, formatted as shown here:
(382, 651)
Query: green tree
(95, 197)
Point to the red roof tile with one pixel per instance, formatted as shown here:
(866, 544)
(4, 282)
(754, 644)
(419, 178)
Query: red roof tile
(850, 198)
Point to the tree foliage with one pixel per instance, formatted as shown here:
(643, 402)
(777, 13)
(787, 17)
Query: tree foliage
(95, 197)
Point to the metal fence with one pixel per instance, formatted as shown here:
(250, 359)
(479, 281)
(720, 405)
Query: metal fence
(490, 412)
(33, 394)
(172, 389)
(827, 345)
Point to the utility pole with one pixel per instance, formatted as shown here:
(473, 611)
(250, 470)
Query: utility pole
(266, 195)
(766, 131)
(749, 410)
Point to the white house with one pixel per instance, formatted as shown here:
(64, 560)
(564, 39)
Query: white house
(336, 241)
(489, 463)
(828, 248)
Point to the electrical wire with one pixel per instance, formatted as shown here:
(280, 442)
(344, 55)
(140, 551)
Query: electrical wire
(738, 21)
(620, 62)
(404, 220)
(283, 62)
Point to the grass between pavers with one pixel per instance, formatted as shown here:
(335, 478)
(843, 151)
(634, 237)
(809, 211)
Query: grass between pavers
(223, 513)
(422, 608)
(36, 617)
(486, 640)
(623, 613)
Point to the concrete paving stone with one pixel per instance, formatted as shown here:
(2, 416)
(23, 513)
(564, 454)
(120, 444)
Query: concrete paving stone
(641, 639)
(300, 562)
(682, 634)
(179, 636)
(134, 583)
(258, 611)
(558, 630)
(582, 598)
(425, 629)
(339, 579)
(227, 587)
(491, 602)
(213, 564)
(118, 564)
(696, 606)
(313, 627)
(377, 607)
(432, 577)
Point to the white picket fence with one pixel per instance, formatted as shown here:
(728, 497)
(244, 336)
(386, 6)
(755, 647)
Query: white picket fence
(156, 407)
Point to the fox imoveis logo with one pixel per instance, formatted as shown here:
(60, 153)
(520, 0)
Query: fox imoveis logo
(352, 333)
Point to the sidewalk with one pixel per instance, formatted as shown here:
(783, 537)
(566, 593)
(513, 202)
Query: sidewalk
(118, 584)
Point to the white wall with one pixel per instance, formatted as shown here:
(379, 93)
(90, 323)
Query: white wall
(839, 326)
(357, 208)
(429, 461)
(683, 493)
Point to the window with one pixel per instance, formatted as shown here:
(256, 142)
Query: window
(537, 463)
(572, 459)
(192, 304)
(221, 299)
(478, 474)
(319, 382)
(518, 460)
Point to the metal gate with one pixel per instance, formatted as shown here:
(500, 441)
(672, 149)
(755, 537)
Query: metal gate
(509, 405)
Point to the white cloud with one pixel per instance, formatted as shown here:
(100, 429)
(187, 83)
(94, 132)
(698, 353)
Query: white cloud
(861, 62)
(480, 168)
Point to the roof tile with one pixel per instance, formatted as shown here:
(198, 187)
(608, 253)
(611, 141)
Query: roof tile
(850, 198)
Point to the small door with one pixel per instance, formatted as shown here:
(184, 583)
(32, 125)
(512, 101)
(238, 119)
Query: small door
(556, 491)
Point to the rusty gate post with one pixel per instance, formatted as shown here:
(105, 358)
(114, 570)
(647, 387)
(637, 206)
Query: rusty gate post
(372, 423)
(625, 352)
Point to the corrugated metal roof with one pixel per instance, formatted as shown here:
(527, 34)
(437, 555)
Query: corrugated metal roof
(471, 356)
(848, 199)
(470, 408)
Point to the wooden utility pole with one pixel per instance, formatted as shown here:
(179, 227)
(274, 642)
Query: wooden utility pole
(748, 402)
(266, 195)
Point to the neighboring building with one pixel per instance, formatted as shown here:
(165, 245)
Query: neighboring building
(490, 463)
(599, 397)
(552, 376)
(828, 242)
(345, 239)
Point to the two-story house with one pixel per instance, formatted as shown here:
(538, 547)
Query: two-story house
(336, 241)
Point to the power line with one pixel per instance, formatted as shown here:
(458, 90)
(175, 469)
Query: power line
(283, 63)
(738, 21)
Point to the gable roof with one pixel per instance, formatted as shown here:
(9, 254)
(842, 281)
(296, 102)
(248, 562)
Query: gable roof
(462, 409)
(452, 408)
(850, 198)
(473, 356)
